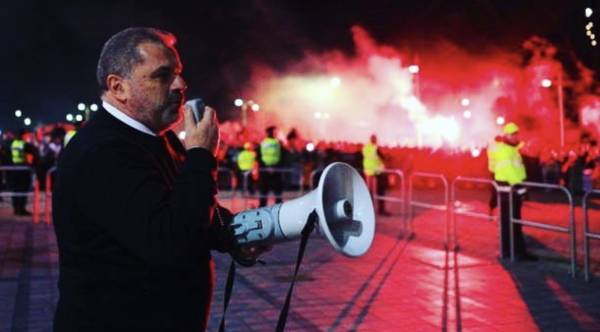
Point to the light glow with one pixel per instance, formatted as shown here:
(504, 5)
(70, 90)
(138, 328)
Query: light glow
(18, 113)
(413, 69)
(500, 120)
(79, 117)
(94, 107)
(81, 106)
(238, 102)
(27, 121)
(546, 83)
(588, 12)
(310, 147)
(69, 117)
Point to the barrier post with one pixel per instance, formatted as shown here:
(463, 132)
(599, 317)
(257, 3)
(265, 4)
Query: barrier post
(454, 211)
(587, 235)
(569, 230)
(444, 207)
(394, 199)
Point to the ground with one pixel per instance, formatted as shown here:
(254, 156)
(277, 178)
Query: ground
(402, 284)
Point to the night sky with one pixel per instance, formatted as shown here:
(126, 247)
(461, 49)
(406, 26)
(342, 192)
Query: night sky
(51, 47)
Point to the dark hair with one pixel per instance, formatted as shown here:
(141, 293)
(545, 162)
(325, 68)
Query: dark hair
(120, 53)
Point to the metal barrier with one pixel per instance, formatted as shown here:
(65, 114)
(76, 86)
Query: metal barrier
(454, 210)
(34, 190)
(48, 194)
(290, 194)
(232, 182)
(394, 199)
(412, 202)
(570, 230)
(587, 234)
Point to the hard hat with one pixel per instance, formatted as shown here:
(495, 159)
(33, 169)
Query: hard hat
(510, 128)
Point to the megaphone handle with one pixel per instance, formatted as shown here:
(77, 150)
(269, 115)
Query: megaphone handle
(308, 228)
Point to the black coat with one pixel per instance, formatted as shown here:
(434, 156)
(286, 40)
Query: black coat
(133, 229)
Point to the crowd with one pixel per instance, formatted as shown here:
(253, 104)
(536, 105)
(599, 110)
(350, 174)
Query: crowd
(576, 167)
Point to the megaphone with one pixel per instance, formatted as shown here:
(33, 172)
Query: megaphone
(343, 206)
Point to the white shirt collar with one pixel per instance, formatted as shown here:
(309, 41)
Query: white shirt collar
(126, 119)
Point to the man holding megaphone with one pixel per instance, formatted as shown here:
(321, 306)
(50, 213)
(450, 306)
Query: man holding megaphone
(134, 211)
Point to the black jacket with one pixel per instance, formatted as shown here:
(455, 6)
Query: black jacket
(132, 222)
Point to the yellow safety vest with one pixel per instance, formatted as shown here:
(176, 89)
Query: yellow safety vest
(372, 164)
(491, 155)
(508, 164)
(246, 160)
(69, 135)
(17, 149)
(270, 151)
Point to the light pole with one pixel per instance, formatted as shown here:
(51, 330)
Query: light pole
(87, 109)
(546, 83)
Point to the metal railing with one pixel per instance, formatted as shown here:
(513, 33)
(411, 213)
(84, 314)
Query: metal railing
(34, 190)
(224, 173)
(412, 203)
(285, 194)
(394, 199)
(457, 211)
(569, 230)
(587, 235)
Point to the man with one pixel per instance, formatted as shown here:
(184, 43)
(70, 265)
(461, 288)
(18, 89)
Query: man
(270, 160)
(510, 171)
(133, 210)
(246, 162)
(22, 154)
(373, 168)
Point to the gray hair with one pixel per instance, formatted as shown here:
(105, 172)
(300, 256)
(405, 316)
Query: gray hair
(120, 53)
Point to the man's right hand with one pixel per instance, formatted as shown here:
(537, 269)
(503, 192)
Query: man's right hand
(204, 134)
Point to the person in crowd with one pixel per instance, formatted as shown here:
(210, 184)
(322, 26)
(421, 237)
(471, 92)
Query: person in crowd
(247, 168)
(270, 178)
(23, 153)
(134, 210)
(373, 168)
(509, 171)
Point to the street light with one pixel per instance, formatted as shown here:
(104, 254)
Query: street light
(86, 109)
(27, 121)
(238, 102)
(465, 102)
(588, 12)
(78, 117)
(18, 113)
(255, 107)
(467, 114)
(69, 117)
(500, 120)
(413, 69)
(546, 83)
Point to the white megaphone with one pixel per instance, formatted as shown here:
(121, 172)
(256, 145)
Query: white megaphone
(341, 202)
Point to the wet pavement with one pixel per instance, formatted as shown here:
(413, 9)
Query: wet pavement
(401, 284)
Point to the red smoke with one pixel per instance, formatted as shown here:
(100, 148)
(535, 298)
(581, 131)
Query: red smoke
(452, 102)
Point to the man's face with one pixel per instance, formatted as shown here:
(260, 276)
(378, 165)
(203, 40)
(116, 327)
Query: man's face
(156, 88)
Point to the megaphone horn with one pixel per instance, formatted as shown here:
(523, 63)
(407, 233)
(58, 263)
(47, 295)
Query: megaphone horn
(342, 203)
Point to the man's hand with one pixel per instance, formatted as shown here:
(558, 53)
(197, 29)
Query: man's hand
(204, 134)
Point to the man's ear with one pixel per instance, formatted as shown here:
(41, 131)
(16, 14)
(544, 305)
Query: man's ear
(117, 87)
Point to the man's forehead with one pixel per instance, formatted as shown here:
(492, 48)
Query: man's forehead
(158, 55)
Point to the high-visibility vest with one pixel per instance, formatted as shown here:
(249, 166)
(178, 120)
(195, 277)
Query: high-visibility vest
(508, 164)
(69, 135)
(17, 149)
(372, 164)
(491, 155)
(270, 151)
(246, 160)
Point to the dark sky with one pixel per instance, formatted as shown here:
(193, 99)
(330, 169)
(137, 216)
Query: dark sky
(51, 47)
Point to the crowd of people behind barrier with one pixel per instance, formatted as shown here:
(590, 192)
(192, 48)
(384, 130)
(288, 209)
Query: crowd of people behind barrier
(577, 167)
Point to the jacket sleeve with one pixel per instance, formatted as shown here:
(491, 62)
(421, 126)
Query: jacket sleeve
(126, 197)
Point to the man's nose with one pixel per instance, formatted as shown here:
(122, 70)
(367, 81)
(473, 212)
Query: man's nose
(179, 84)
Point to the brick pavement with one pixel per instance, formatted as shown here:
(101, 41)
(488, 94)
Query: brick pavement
(400, 284)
